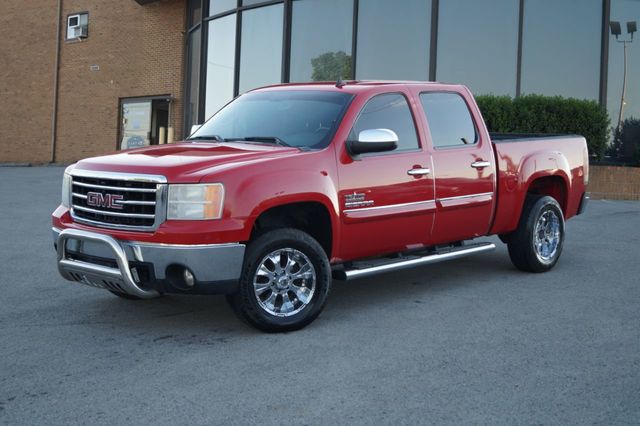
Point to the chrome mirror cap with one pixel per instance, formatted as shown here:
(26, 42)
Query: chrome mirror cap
(373, 140)
(377, 135)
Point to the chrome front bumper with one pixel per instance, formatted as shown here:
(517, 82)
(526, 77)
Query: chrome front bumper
(99, 260)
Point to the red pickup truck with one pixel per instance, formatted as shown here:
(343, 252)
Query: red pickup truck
(290, 186)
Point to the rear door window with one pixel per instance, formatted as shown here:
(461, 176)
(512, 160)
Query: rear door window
(449, 119)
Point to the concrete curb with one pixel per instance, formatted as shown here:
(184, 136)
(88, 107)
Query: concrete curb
(15, 164)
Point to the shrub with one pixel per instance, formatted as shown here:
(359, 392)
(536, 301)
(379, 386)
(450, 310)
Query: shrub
(626, 142)
(548, 114)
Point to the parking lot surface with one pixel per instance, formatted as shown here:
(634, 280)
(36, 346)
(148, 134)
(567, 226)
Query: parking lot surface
(469, 341)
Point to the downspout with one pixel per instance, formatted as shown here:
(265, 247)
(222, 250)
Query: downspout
(54, 113)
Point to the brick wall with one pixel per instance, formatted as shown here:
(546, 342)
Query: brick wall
(614, 183)
(138, 51)
(27, 58)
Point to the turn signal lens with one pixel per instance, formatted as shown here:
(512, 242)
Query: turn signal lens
(195, 201)
(66, 187)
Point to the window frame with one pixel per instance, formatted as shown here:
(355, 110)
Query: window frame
(73, 15)
(140, 99)
(477, 141)
(420, 146)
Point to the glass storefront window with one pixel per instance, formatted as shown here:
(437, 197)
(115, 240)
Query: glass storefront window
(251, 2)
(561, 48)
(195, 12)
(624, 11)
(393, 39)
(221, 50)
(478, 45)
(321, 38)
(193, 79)
(261, 47)
(220, 6)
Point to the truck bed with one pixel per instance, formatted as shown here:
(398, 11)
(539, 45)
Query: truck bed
(527, 137)
(522, 158)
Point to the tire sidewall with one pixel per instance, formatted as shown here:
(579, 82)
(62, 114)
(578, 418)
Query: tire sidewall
(256, 251)
(539, 207)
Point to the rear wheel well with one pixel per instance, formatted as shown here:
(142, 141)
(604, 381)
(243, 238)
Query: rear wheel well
(553, 186)
(310, 217)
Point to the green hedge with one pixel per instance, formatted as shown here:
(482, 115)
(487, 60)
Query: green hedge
(626, 143)
(547, 114)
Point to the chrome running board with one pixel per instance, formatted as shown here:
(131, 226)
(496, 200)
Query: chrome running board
(377, 266)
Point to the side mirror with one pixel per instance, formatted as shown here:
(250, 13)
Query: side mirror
(195, 128)
(373, 140)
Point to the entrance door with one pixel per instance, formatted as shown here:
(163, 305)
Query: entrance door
(141, 120)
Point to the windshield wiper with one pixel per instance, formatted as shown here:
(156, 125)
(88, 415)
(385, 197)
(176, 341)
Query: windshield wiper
(266, 139)
(260, 139)
(207, 138)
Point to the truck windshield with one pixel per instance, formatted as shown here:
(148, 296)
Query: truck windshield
(302, 119)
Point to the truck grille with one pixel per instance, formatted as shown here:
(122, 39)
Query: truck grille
(129, 203)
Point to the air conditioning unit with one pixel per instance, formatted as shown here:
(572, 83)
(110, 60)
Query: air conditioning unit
(80, 31)
(77, 26)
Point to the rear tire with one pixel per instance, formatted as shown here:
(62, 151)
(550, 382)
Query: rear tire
(285, 281)
(536, 245)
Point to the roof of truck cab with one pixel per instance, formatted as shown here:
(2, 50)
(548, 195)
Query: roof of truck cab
(353, 86)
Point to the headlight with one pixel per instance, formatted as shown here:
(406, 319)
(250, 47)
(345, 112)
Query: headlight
(195, 201)
(66, 187)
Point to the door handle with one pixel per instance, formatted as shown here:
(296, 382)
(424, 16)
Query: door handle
(480, 164)
(418, 172)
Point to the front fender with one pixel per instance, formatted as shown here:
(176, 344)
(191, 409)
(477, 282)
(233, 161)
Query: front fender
(278, 188)
(250, 191)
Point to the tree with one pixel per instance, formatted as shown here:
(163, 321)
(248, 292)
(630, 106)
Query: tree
(331, 66)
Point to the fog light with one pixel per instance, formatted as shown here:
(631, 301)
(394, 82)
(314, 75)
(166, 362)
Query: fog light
(180, 277)
(188, 277)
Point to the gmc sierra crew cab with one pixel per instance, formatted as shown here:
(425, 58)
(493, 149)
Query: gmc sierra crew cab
(290, 186)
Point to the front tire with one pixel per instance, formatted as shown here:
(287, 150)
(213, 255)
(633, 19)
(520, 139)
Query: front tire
(285, 281)
(536, 244)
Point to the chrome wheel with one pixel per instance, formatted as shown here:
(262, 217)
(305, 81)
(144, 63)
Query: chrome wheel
(284, 282)
(546, 236)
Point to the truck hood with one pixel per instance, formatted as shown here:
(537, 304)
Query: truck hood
(186, 162)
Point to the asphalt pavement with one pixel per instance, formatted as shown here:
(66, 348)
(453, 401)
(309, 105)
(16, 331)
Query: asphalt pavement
(472, 341)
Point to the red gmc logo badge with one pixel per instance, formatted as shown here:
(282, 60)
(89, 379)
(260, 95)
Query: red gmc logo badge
(109, 201)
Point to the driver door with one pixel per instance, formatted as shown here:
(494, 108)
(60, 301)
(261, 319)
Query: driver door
(386, 199)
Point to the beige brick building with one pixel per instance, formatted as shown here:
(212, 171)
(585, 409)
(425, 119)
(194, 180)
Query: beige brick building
(131, 52)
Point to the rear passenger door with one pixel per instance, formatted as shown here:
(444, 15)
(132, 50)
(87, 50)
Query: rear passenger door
(386, 199)
(464, 167)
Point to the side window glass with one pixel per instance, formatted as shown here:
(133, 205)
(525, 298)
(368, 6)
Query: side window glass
(449, 119)
(388, 111)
